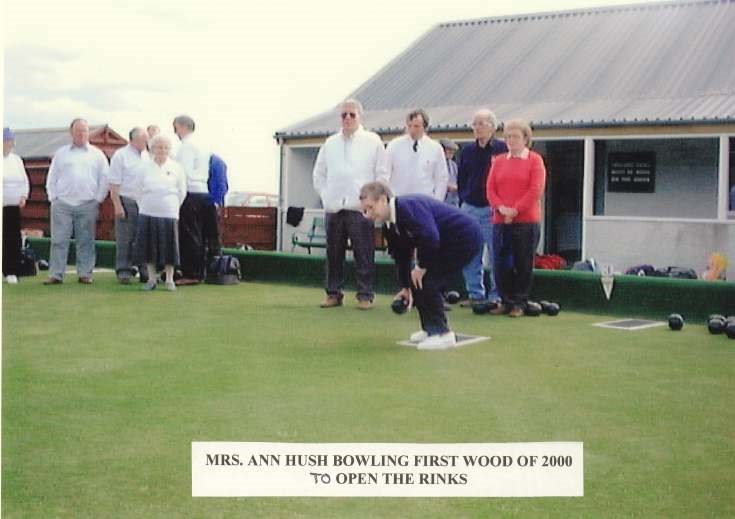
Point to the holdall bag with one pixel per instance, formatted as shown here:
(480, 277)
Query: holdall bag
(676, 273)
(223, 270)
(27, 262)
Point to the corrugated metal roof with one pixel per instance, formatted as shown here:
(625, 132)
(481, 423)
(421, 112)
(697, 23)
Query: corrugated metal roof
(43, 142)
(657, 63)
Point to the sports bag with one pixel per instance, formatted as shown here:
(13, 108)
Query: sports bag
(223, 270)
(27, 262)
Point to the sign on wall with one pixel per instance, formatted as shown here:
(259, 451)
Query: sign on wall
(631, 172)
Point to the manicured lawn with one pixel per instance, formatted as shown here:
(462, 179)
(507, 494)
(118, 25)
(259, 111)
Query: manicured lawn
(105, 387)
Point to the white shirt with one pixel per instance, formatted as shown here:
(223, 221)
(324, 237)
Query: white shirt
(422, 172)
(344, 165)
(122, 168)
(195, 161)
(78, 174)
(15, 180)
(160, 190)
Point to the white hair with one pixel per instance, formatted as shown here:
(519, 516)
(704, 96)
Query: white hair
(488, 115)
(159, 138)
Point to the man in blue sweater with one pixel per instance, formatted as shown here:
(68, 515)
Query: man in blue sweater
(442, 240)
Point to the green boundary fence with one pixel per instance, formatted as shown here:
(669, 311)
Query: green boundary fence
(632, 296)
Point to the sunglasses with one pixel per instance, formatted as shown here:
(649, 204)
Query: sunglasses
(352, 115)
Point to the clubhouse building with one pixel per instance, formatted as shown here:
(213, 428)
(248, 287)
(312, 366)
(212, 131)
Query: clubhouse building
(633, 110)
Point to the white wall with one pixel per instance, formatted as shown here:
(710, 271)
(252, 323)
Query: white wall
(686, 179)
(298, 167)
(629, 242)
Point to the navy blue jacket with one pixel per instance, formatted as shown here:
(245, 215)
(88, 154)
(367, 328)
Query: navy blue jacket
(441, 234)
(217, 182)
(474, 165)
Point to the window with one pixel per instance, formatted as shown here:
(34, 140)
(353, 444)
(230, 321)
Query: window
(663, 178)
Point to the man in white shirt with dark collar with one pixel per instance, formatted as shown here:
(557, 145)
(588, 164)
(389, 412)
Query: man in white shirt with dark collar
(122, 192)
(348, 160)
(198, 210)
(76, 185)
(416, 163)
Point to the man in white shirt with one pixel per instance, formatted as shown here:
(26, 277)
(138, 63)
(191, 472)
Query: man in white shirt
(416, 163)
(196, 241)
(348, 160)
(122, 192)
(76, 185)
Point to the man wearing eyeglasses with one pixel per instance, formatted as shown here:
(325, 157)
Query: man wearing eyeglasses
(349, 159)
(416, 163)
(474, 165)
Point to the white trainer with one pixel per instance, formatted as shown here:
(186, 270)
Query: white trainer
(418, 336)
(438, 342)
(12, 280)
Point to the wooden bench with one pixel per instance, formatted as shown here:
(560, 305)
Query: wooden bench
(316, 237)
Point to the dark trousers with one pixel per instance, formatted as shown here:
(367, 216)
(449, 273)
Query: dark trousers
(198, 236)
(515, 246)
(11, 240)
(429, 300)
(353, 225)
(211, 232)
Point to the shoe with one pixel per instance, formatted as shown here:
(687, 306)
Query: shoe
(442, 341)
(12, 279)
(516, 311)
(183, 282)
(170, 286)
(332, 301)
(499, 310)
(85, 280)
(53, 281)
(364, 304)
(149, 286)
(124, 281)
(418, 336)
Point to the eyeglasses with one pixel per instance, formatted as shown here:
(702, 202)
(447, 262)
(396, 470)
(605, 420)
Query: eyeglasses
(352, 115)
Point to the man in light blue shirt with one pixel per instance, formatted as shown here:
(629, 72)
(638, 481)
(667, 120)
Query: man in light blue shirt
(76, 185)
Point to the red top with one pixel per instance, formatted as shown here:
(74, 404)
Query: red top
(517, 183)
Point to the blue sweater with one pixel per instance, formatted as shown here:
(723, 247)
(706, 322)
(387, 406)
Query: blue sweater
(474, 165)
(436, 231)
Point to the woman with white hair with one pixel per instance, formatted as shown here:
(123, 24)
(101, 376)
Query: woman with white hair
(161, 188)
(15, 193)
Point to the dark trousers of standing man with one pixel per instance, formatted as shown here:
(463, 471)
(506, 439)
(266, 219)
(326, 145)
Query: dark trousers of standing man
(353, 225)
(429, 300)
(196, 240)
(11, 240)
(515, 247)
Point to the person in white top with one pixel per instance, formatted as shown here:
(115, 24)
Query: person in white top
(416, 163)
(122, 181)
(347, 160)
(198, 240)
(160, 187)
(15, 194)
(76, 185)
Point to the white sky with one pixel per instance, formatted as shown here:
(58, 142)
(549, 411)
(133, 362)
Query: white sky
(241, 70)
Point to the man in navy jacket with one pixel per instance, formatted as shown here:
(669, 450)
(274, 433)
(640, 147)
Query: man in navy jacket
(440, 238)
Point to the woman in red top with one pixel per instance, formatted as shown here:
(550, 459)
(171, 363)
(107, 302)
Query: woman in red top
(514, 187)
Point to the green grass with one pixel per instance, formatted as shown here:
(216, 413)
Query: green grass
(105, 388)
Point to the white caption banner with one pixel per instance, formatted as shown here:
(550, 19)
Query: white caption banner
(250, 469)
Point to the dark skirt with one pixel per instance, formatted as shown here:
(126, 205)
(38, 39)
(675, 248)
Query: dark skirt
(157, 240)
(11, 240)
